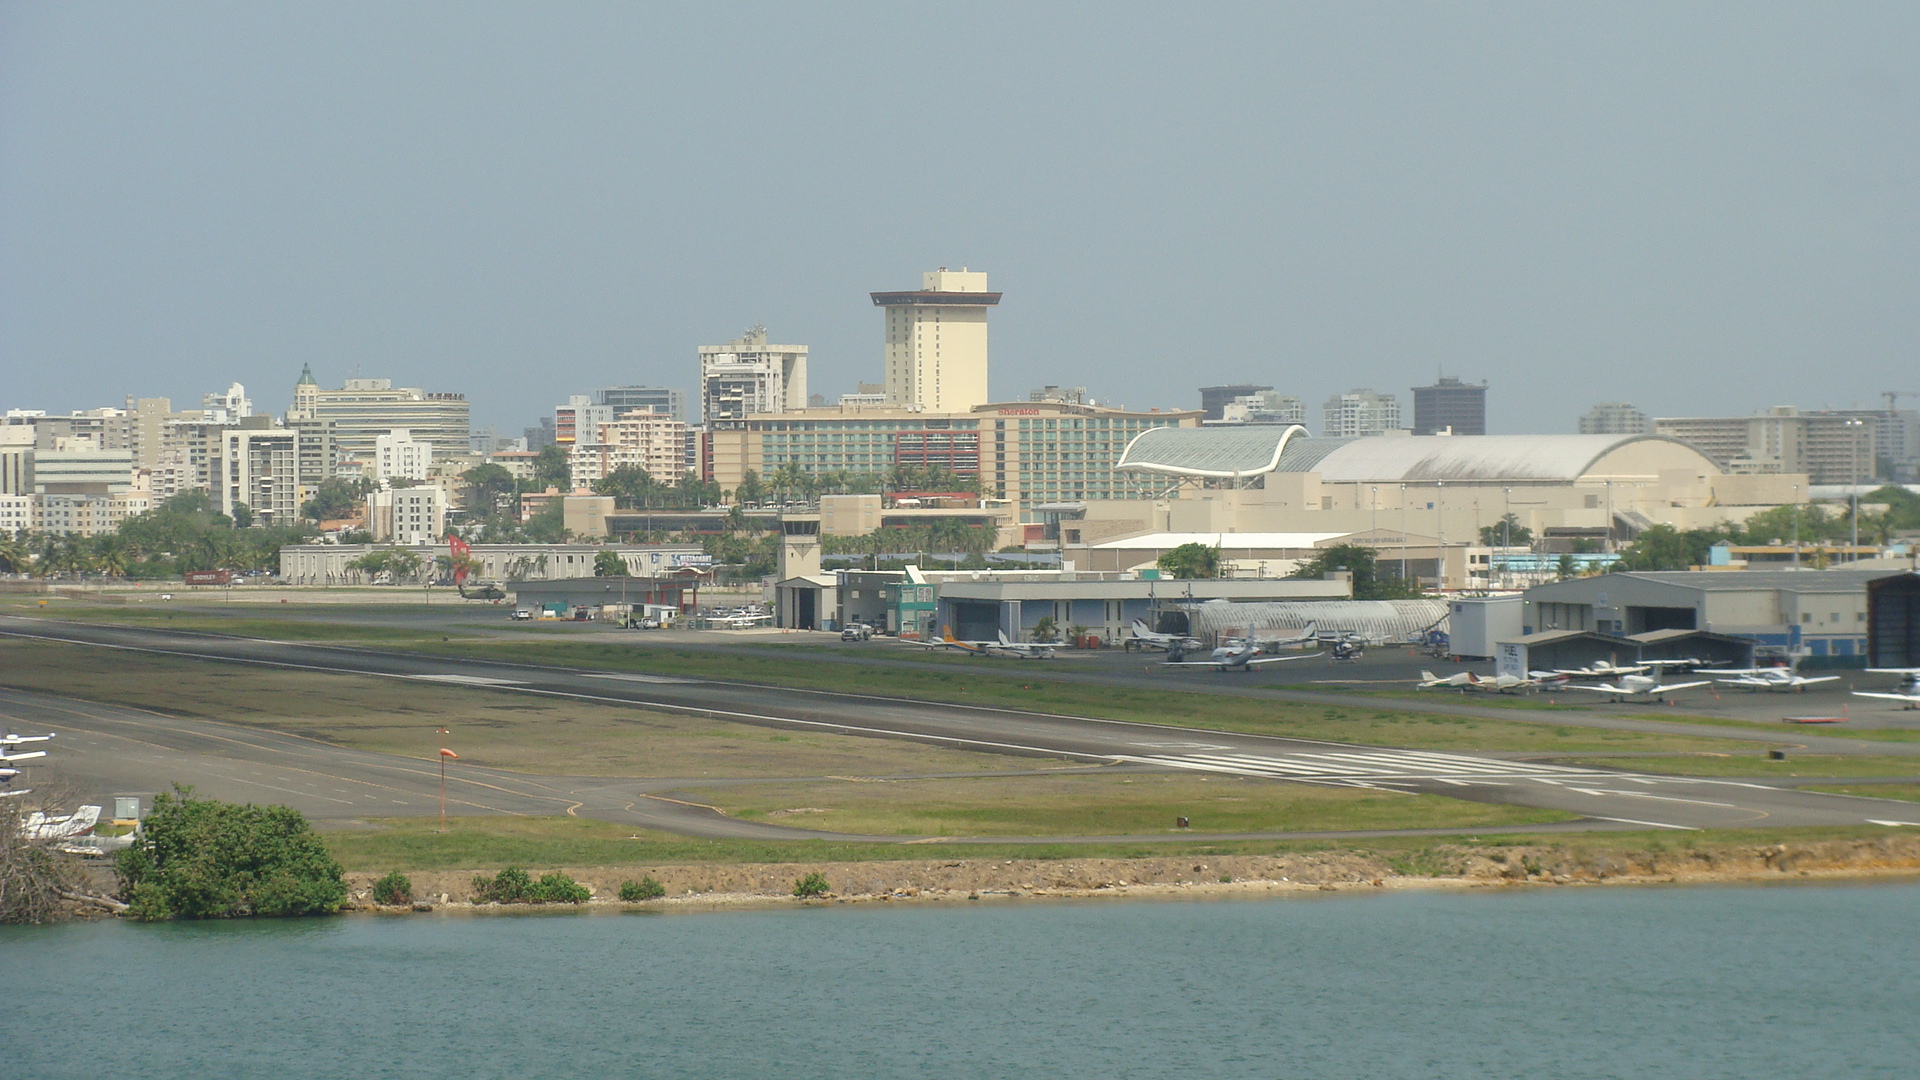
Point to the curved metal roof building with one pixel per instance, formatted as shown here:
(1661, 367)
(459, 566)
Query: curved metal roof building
(1218, 452)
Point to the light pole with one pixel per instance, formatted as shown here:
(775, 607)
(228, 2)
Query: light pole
(1440, 535)
(1853, 482)
(1506, 529)
(1796, 526)
(1403, 534)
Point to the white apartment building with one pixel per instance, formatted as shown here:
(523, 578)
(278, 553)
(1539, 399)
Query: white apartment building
(362, 410)
(579, 419)
(16, 514)
(749, 377)
(1359, 412)
(1831, 448)
(936, 342)
(410, 515)
(1264, 407)
(1614, 418)
(652, 441)
(85, 515)
(397, 455)
(258, 467)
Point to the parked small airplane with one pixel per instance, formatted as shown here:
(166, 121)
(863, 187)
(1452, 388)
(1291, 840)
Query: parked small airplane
(1601, 669)
(1774, 678)
(1001, 647)
(1908, 692)
(41, 826)
(1143, 638)
(1231, 658)
(1280, 639)
(1468, 681)
(1348, 651)
(1639, 688)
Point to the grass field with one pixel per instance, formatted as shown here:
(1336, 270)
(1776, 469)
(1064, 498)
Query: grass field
(1797, 764)
(411, 844)
(1906, 792)
(1360, 722)
(509, 731)
(1102, 804)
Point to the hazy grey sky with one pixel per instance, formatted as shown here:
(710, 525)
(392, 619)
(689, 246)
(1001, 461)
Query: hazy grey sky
(1693, 207)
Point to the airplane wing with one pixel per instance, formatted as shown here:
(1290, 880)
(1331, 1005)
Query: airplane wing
(1603, 689)
(1821, 678)
(1680, 686)
(1911, 699)
(1282, 659)
(1895, 670)
(28, 756)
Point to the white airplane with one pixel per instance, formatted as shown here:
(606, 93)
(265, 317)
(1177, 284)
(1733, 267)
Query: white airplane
(1468, 681)
(1639, 688)
(1601, 669)
(1908, 692)
(1143, 638)
(1231, 658)
(1774, 678)
(39, 826)
(1307, 633)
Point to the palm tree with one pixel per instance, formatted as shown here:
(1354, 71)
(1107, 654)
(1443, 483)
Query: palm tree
(15, 556)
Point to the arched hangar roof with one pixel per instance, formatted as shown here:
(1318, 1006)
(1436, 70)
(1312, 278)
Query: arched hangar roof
(1385, 458)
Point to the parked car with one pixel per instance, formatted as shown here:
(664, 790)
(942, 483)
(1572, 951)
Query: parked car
(856, 632)
(522, 614)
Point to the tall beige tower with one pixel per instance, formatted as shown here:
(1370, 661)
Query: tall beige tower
(937, 342)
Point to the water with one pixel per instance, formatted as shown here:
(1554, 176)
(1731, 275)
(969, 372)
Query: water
(1630, 983)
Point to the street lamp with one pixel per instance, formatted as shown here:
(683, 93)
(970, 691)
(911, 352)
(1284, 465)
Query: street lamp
(444, 755)
(1853, 481)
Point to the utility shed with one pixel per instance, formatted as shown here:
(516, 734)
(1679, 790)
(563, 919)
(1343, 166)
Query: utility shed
(1475, 624)
(1823, 612)
(1893, 622)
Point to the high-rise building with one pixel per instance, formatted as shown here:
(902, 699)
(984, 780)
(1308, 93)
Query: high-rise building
(936, 342)
(1359, 412)
(260, 468)
(1214, 399)
(1614, 418)
(579, 419)
(397, 455)
(407, 516)
(1450, 406)
(749, 377)
(655, 442)
(228, 408)
(656, 399)
(362, 410)
(1830, 448)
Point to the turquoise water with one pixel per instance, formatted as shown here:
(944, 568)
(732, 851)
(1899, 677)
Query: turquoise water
(1629, 983)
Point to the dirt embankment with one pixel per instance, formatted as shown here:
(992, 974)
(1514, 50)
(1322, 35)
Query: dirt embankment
(708, 885)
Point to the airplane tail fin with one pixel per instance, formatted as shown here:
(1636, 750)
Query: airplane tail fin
(1428, 676)
(946, 634)
(1003, 638)
(1312, 629)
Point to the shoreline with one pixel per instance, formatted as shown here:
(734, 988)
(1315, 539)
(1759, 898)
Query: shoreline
(710, 887)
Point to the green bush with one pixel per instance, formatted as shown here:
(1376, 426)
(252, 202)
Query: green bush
(644, 889)
(509, 886)
(558, 888)
(205, 859)
(393, 890)
(814, 884)
(514, 886)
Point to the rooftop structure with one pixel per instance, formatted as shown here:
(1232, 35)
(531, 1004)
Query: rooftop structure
(1214, 399)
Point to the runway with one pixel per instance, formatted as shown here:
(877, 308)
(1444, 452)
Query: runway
(1606, 798)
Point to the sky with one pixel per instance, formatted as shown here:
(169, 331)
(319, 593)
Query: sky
(1698, 208)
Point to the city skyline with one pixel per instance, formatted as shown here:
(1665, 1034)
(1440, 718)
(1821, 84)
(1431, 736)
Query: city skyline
(500, 205)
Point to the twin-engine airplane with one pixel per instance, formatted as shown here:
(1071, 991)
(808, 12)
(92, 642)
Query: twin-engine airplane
(1001, 647)
(1231, 658)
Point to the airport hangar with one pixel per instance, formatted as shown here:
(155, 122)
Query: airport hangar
(1408, 488)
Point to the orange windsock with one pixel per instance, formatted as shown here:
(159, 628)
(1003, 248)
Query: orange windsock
(444, 752)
